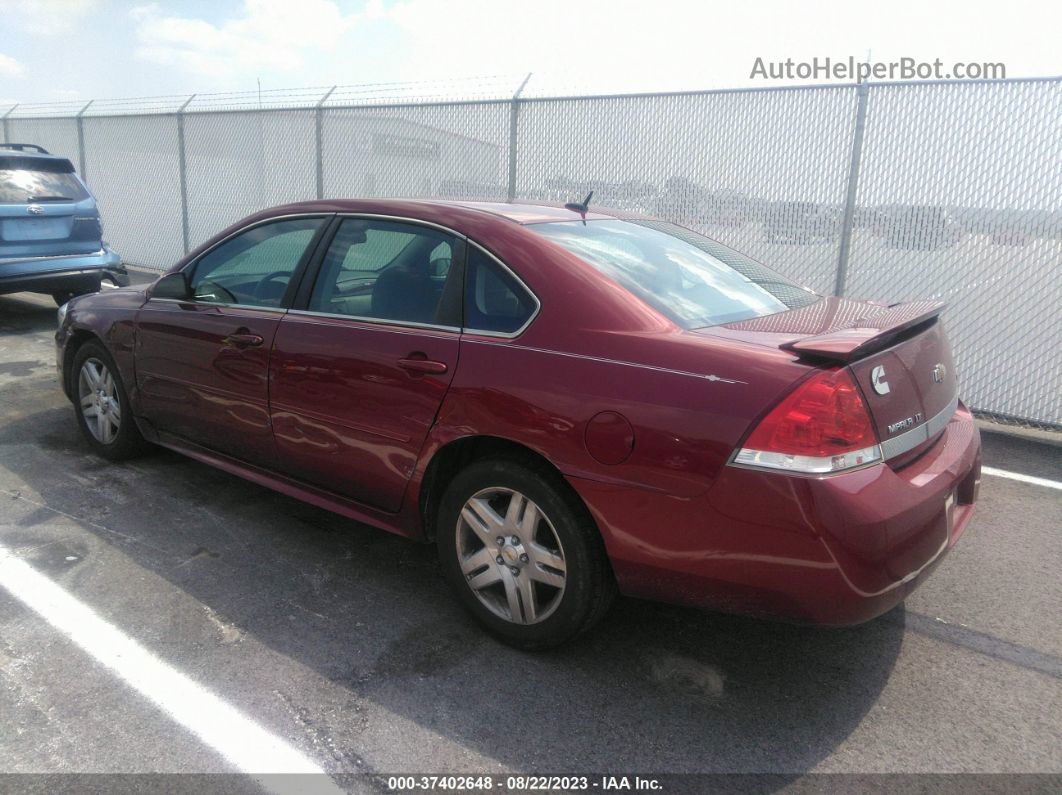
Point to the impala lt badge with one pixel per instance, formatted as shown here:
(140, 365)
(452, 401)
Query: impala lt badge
(939, 372)
(904, 424)
(877, 380)
(35, 209)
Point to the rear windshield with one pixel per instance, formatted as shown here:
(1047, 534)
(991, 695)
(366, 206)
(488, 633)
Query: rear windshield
(28, 179)
(693, 280)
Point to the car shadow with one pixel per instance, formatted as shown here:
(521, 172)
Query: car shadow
(654, 688)
(25, 314)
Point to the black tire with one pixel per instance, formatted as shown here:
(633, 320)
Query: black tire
(124, 443)
(588, 586)
(63, 297)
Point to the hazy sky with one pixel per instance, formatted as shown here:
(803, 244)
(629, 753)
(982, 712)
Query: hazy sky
(80, 49)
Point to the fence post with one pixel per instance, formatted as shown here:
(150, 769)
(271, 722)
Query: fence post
(81, 140)
(514, 110)
(7, 132)
(853, 185)
(317, 135)
(182, 172)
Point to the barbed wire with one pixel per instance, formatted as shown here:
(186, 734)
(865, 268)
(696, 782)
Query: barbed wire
(485, 87)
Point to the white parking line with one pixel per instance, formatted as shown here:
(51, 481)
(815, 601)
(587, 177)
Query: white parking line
(1002, 473)
(236, 737)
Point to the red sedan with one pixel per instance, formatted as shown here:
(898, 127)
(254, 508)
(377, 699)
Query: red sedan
(567, 402)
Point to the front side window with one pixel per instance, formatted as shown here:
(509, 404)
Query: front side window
(385, 270)
(691, 279)
(254, 267)
(494, 300)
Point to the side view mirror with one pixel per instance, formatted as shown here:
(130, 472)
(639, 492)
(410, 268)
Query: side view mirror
(172, 285)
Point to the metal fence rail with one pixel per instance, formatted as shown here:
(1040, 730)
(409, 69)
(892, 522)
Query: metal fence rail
(948, 190)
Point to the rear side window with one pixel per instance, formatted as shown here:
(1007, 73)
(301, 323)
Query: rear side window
(494, 300)
(378, 250)
(691, 279)
(386, 270)
(31, 179)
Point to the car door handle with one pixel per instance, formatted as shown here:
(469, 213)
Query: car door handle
(422, 366)
(244, 340)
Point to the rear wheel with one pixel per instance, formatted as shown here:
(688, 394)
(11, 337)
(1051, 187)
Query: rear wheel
(102, 406)
(522, 554)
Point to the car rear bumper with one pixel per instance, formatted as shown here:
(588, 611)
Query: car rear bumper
(838, 549)
(74, 274)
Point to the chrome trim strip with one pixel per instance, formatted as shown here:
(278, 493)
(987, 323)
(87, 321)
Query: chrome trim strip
(270, 309)
(806, 464)
(15, 260)
(908, 440)
(459, 236)
(587, 357)
(323, 214)
(373, 320)
(190, 266)
(402, 219)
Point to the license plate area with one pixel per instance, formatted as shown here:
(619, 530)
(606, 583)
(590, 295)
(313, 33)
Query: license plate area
(22, 229)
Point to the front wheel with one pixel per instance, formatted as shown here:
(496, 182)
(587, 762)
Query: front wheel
(102, 406)
(522, 553)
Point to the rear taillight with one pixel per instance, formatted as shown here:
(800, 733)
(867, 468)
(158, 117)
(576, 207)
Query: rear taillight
(822, 426)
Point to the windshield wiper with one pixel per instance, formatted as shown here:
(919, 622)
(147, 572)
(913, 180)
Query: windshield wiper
(53, 198)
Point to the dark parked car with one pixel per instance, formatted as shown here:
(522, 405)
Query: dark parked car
(51, 240)
(567, 403)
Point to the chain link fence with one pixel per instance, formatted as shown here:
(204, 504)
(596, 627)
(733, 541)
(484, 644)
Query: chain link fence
(949, 190)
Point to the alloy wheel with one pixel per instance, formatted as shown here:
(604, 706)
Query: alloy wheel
(98, 397)
(511, 555)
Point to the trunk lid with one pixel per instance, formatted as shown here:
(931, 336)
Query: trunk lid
(909, 389)
(899, 356)
(45, 209)
(52, 229)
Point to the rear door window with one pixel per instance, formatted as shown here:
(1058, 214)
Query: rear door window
(386, 270)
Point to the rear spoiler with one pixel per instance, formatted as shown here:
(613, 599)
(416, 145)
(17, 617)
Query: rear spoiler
(846, 345)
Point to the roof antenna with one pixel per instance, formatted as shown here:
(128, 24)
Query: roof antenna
(582, 207)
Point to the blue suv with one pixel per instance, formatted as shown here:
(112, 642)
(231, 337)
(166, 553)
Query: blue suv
(51, 240)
